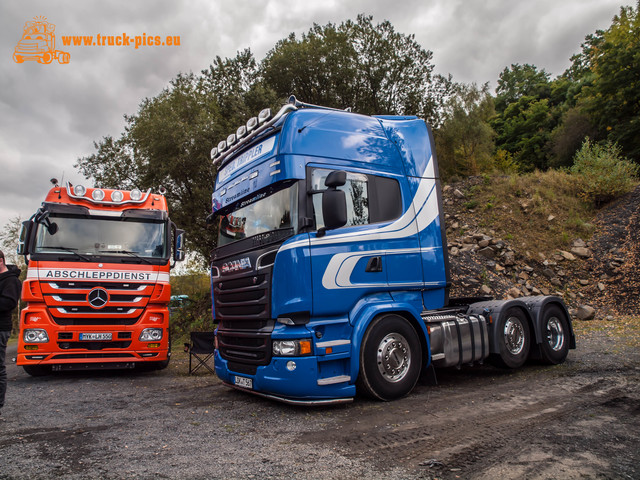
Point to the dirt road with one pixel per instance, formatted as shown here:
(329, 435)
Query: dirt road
(577, 420)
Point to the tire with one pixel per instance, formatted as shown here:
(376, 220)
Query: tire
(63, 57)
(46, 58)
(514, 339)
(555, 336)
(37, 370)
(390, 358)
(162, 364)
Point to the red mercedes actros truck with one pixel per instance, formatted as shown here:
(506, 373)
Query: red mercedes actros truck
(97, 287)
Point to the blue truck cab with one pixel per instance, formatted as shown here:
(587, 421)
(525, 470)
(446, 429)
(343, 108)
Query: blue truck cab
(330, 275)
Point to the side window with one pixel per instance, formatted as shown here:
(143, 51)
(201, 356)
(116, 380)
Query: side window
(357, 191)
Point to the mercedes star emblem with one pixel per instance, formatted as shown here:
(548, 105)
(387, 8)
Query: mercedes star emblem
(98, 297)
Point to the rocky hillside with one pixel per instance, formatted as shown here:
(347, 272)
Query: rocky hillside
(598, 276)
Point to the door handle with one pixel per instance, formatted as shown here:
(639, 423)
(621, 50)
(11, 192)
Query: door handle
(374, 264)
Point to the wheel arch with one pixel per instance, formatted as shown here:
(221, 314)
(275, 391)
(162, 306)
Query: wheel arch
(492, 310)
(533, 308)
(370, 312)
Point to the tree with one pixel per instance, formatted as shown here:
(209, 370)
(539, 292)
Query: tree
(519, 81)
(609, 67)
(167, 142)
(9, 236)
(465, 141)
(371, 68)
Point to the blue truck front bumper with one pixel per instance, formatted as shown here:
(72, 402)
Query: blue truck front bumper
(300, 386)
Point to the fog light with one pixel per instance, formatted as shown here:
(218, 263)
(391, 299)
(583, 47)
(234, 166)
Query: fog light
(79, 190)
(291, 365)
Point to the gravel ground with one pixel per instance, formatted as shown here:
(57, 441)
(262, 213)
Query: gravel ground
(576, 420)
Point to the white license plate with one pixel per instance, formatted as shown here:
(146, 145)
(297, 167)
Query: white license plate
(95, 336)
(243, 382)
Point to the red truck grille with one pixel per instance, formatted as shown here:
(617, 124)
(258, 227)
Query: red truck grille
(69, 302)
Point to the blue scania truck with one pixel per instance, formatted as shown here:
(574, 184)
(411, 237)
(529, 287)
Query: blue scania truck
(330, 276)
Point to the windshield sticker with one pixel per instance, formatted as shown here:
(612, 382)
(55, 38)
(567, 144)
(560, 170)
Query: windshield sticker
(247, 157)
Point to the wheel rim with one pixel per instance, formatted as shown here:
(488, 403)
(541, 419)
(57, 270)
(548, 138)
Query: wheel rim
(394, 357)
(555, 334)
(514, 335)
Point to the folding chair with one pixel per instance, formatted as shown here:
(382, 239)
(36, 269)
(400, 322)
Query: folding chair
(201, 348)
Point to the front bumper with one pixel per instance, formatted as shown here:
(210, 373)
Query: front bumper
(302, 386)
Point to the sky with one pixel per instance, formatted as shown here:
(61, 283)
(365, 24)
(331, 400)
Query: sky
(51, 115)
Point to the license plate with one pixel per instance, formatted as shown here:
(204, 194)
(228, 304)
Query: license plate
(243, 382)
(95, 336)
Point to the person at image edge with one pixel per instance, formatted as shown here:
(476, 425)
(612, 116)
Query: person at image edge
(10, 287)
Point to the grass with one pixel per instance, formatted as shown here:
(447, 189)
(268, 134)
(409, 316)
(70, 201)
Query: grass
(545, 203)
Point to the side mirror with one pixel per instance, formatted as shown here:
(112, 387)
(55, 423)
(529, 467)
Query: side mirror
(23, 238)
(178, 247)
(334, 201)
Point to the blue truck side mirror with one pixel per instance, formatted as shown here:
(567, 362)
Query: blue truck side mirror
(334, 201)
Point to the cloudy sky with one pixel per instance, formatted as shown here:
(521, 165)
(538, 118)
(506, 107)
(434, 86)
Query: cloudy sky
(50, 115)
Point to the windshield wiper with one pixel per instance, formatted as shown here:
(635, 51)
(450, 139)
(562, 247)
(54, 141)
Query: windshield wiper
(128, 252)
(67, 249)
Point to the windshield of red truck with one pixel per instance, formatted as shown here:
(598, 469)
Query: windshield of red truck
(274, 212)
(103, 236)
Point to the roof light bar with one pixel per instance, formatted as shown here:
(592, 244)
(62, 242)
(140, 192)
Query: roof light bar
(245, 133)
(98, 195)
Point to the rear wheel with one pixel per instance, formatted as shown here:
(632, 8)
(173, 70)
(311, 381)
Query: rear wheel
(555, 331)
(37, 370)
(390, 358)
(514, 339)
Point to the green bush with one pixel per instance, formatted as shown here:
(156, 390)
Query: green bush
(602, 173)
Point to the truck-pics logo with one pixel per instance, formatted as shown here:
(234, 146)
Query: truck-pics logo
(38, 43)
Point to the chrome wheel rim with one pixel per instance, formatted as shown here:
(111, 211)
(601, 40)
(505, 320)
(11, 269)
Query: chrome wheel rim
(394, 357)
(514, 335)
(555, 334)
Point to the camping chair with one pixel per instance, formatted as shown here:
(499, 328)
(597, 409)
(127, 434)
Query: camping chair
(201, 348)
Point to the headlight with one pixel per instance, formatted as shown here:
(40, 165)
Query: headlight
(79, 190)
(151, 335)
(290, 348)
(35, 335)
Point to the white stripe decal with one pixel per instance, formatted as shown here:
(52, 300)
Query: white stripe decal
(72, 274)
(422, 212)
(341, 266)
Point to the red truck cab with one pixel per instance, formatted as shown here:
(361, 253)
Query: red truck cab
(97, 287)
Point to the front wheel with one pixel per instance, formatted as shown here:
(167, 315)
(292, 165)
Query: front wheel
(514, 339)
(390, 358)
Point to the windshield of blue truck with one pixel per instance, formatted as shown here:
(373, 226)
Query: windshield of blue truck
(102, 236)
(274, 212)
